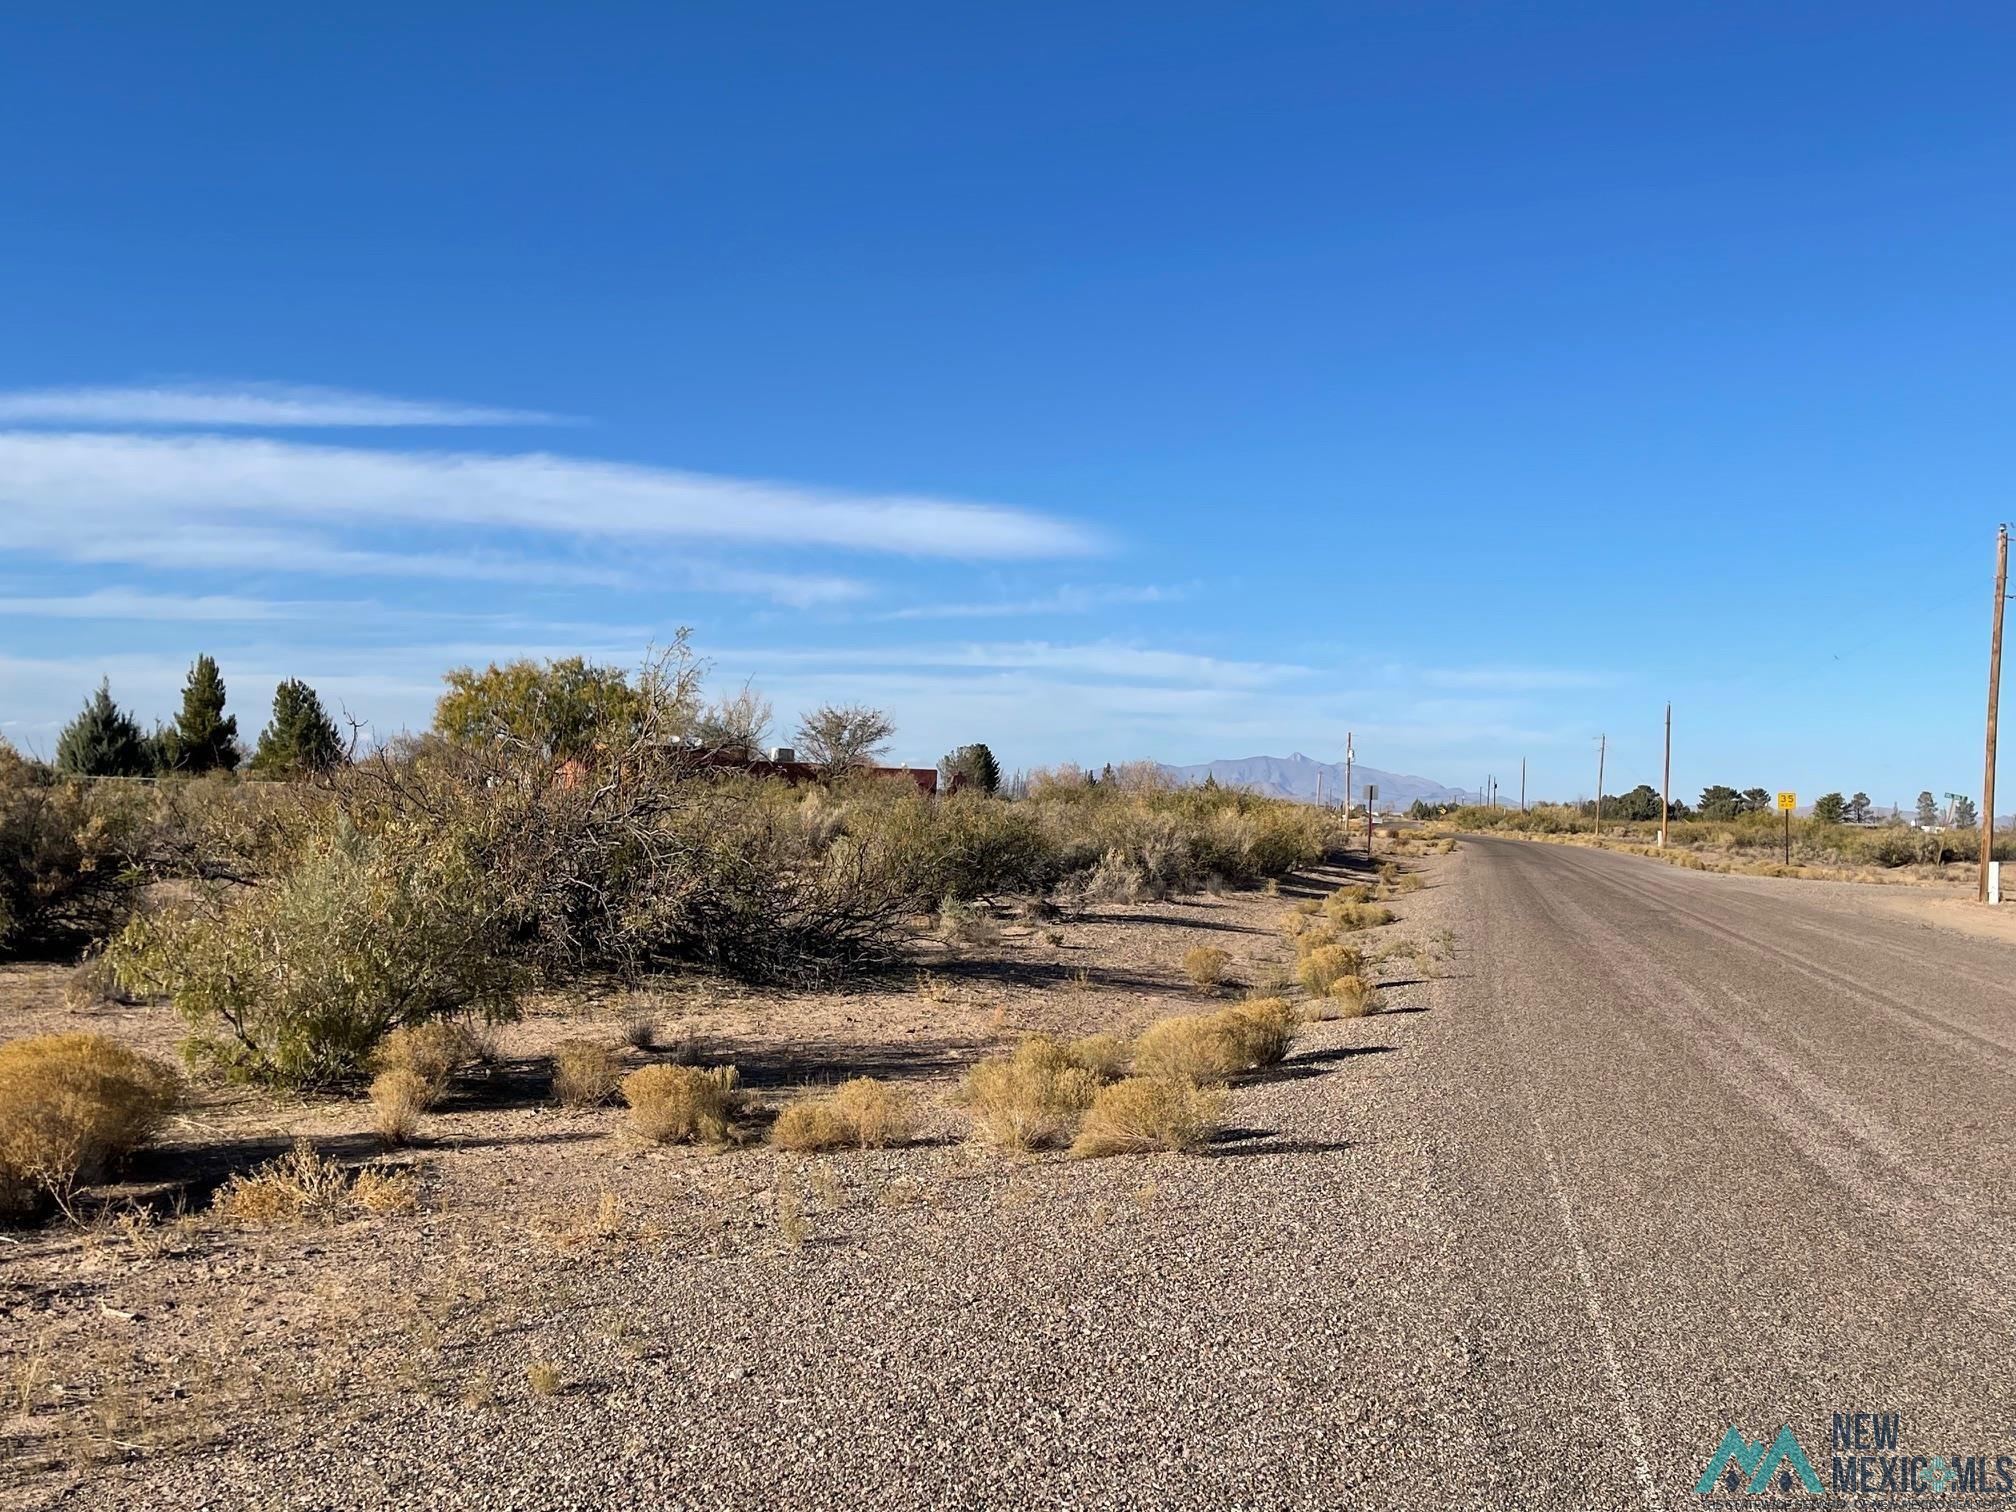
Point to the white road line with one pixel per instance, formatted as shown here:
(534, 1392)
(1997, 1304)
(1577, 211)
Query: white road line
(1632, 1429)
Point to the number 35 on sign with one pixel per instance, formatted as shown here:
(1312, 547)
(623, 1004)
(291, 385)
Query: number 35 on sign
(1788, 801)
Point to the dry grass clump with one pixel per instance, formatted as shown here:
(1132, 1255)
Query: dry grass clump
(1033, 1096)
(1353, 916)
(1205, 966)
(1192, 1047)
(1312, 940)
(862, 1114)
(544, 1378)
(1143, 1114)
(1104, 1055)
(639, 1028)
(1322, 969)
(304, 1187)
(415, 1065)
(398, 1098)
(70, 1106)
(684, 1104)
(1349, 997)
(1410, 882)
(584, 1073)
(1264, 1028)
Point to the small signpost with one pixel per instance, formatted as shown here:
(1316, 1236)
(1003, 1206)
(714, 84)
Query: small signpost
(1786, 803)
(1371, 793)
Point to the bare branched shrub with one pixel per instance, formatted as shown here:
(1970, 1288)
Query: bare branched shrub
(861, 1113)
(1145, 1114)
(1205, 966)
(70, 1106)
(305, 1187)
(684, 1104)
(1031, 1097)
(584, 1073)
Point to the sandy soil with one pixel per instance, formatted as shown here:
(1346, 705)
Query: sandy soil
(137, 1342)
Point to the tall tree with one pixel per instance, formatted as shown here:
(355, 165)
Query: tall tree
(1720, 802)
(1756, 800)
(837, 736)
(1830, 808)
(203, 738)
(737, 722)
(1965, 815)
(570, 707)
(1858, 807)
(1928, 811)
(975, 764)
(302, 739)
(103, 741)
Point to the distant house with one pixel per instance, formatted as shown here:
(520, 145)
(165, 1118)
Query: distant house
(781, 764)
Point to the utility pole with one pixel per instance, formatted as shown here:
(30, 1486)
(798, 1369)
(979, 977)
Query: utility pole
(1602, 750)
(1522, 784)
(1666, 782)
(1994, 693)
(1319, 787)
(1347, 790)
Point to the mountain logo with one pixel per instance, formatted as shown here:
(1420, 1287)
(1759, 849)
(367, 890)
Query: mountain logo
(1742, 1465)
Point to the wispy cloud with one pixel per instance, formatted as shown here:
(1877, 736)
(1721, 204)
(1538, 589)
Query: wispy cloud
(1101, 659)
(68, 492)
(133, 604)
(1066, 600)
(268, 405)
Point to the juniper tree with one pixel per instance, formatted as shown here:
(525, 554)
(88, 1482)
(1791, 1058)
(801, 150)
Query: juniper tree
(976, 764)
(103, 741)
(203, 738)
(302, 739)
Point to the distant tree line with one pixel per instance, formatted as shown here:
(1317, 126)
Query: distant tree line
(105, 741)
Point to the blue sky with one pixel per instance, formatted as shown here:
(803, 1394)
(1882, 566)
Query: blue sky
(1097, 381)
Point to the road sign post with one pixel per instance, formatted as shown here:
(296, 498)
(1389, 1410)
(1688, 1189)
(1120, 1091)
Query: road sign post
(1786, 803)
(1371, 792)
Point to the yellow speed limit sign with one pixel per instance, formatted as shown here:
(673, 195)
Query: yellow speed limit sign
(1788, 801)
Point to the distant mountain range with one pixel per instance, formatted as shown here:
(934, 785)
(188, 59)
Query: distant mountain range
(1295, 777)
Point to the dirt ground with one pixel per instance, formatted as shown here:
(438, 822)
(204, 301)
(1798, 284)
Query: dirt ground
(149, 1340)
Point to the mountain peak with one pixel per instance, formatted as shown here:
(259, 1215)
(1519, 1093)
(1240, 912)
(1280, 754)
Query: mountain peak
(1297, 777)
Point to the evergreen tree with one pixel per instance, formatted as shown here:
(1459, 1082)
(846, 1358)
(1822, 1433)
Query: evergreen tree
(1965, 815)
(1858, 807)
(976, 764)
(1830, 808)
(1928, 810)
(301, 739)
(1756, 800)
(103, 741)
(204, 738)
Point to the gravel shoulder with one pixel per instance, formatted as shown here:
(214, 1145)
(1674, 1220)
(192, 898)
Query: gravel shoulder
(1268, 1323)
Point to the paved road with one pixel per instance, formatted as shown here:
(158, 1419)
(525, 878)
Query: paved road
(1719, 1151)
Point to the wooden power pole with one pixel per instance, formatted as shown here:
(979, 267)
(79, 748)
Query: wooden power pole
(1994, 692)
(1347, 789)
(1666, 782)
(1522, 784)
(1602, 749)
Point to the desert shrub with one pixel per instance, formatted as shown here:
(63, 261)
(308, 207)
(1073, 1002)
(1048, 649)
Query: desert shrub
(1313, 939)
(1144, 1114)
(1409, 882)
(683, 1104)
(1353, 996)
(305, 1187)
(1205, 1048)
(70, 1106)
(1105, 1056)
(1032, 1097)
(433, 1051)
(1321, 970)
(69, 855)
(1355, 916)
(584, 1073)
(296, 981)
(398, 1098)
(1205, 966)
(1262, 1030)
(862, 1113)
